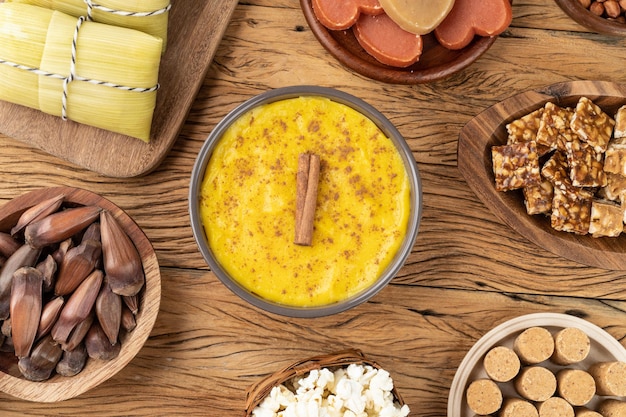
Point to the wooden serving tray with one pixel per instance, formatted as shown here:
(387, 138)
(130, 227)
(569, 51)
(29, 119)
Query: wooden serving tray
(194, 33)
(475, 164)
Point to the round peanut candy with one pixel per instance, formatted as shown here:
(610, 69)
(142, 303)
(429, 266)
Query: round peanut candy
(516, 407)
(575, 386)
(612, 408)
(501, 364)
(484, 396)
(555, 407)
(585, 412)
(610, 377)
(535, 383)
(534, 345)
(571, 345)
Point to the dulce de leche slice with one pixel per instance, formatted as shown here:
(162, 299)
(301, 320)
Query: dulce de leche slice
(341, 15)
(383, 39)
(469, 18)
(417, 16)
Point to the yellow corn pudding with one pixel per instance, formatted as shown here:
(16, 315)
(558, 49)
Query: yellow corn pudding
(248, 201)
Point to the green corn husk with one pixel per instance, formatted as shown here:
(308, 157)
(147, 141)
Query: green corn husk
(41, 38)
(155, 25)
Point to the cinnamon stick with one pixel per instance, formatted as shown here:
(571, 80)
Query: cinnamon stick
(306, 197)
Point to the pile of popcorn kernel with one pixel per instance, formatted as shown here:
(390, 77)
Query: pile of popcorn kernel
(354, 391)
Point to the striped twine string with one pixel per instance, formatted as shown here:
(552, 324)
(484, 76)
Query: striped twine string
(91, 6)
(73, 76)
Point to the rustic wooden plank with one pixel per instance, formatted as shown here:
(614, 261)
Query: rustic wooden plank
(429, 116)
(205, 351)
(467, 273)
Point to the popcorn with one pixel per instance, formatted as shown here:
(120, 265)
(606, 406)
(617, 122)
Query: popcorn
(354, 391)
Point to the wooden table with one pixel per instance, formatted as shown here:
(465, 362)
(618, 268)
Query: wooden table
(467, 272)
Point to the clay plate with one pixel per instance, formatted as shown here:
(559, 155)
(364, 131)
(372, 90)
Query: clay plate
(435, 63)
(584, 17)
(475, 164)
(59, 388)
(604, 347)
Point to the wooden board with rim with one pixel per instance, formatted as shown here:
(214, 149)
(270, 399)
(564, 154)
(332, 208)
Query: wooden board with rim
(60, 388)
(194, 33)
(475, 164)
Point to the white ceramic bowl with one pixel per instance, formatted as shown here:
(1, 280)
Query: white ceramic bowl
(604, 347)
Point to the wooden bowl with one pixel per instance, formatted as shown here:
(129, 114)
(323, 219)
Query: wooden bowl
(584, 17)
(435, 63)
(475, 164)
(59, 388)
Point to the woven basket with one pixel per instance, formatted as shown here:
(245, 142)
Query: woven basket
(332, 361)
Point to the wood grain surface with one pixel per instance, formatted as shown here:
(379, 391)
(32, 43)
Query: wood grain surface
(468, 270)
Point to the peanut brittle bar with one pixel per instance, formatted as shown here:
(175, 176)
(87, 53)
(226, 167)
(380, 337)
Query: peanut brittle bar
(538, 198)
(615, 187)
(556, 169)
(586, 166)
(619, 131)
(515, 166)
(615, 157)
(606, 219)
(571, 211)
(525, 129)
(554, 127)
(592, 124)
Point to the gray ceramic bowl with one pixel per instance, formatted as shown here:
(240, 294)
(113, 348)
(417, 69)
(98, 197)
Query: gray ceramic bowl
(342, 98)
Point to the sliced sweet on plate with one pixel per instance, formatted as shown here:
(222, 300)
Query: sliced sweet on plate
(382, 38)
(417, 16)
(341, 15)
(469, 18)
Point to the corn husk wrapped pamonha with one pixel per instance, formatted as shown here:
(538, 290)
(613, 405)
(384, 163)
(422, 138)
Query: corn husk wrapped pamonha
(149, 16)
(114, 78)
